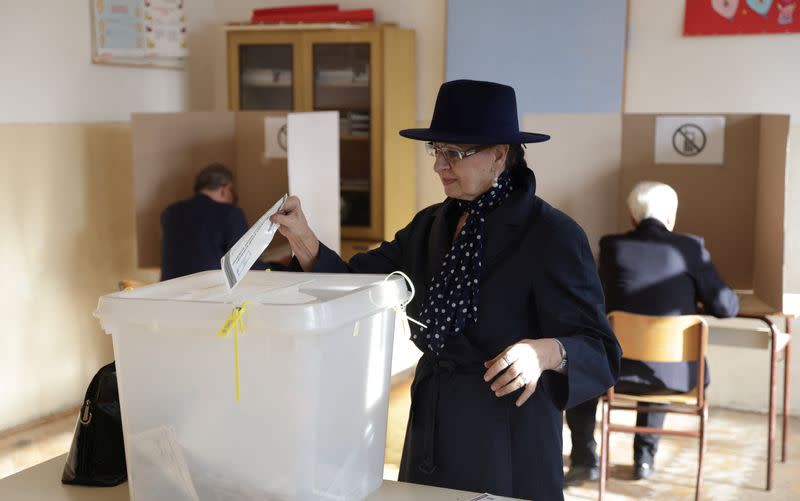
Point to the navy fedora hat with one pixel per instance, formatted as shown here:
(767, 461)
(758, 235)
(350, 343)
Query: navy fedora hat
(475, 112)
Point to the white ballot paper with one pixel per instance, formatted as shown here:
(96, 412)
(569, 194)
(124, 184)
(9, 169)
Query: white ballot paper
(244, 253)
(160, 461)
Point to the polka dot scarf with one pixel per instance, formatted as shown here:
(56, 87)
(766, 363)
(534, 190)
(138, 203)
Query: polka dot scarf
(452, 302)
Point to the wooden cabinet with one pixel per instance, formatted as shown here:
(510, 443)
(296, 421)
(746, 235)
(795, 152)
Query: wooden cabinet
(368, 75)
(352, 247)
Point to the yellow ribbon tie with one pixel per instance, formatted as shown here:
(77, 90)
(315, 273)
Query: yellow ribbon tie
(234, 323)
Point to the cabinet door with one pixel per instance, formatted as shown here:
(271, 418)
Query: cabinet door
(346, 77)
(350, 248)
(264, 71)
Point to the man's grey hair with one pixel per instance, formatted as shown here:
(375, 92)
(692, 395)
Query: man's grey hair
(650, 199)
(212, 176)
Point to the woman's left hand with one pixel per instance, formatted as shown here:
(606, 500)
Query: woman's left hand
(521, 365)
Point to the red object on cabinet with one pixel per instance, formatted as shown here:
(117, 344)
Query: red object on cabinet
(323, 13)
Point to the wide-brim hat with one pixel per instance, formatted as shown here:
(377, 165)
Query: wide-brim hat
(475, 112)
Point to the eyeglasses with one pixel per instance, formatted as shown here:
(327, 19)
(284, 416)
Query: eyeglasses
(452, 155)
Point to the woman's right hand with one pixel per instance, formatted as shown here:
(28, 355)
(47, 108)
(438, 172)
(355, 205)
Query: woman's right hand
(293, 226)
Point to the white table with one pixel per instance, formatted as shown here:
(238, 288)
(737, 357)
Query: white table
(43, 483)
(754, 316)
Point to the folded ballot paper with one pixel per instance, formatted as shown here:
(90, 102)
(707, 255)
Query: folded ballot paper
(244, 253)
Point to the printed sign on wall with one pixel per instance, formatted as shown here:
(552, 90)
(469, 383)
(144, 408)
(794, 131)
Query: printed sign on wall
(690, 140)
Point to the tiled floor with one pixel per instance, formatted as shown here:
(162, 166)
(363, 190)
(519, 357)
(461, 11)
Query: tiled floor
(735, 462)
(734, 470)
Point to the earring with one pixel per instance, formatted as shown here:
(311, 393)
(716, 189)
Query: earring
(494, 182)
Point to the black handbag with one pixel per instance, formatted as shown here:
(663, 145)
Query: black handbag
(97, 454)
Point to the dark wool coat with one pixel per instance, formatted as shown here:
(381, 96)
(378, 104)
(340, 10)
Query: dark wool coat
(539, 281)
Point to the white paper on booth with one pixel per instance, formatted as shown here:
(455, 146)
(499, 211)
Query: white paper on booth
(160, 448)
(244, 253)
(690, 140)
(313, 168)
(488, 497)
(275, 137)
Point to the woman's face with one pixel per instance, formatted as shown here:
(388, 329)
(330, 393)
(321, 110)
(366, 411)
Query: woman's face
(469, 177)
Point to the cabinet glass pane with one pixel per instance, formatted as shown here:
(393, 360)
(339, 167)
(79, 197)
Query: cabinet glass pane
(266, 77)
(342, 83)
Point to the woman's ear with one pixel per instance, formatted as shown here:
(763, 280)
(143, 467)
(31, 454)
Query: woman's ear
(500, 153)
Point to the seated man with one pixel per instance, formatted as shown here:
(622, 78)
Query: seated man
(649, 271)
(198, 231)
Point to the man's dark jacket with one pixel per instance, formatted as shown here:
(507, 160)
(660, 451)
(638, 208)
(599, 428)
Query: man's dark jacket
(197, 232)
(654, 271)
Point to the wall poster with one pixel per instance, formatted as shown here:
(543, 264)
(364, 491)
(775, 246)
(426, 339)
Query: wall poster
(739, 17)
(139, 32)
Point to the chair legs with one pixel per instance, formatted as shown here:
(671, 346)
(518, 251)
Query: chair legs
(604, 449)
(787, 364)
(701, 456)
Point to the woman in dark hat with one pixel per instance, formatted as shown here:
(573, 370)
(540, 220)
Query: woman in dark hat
(509, 294)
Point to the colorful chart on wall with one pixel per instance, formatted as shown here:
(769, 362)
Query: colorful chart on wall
(740, 17)
(139, 32)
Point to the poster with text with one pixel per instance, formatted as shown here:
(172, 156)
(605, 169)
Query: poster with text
(740, 17)
(118, 28)
(165, 28)
(139, 32)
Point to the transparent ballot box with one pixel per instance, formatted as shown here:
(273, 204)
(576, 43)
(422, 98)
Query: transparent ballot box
(276, 390)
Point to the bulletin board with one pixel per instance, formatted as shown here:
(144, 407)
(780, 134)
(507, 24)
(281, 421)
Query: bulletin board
(560, 57)
(149, 33)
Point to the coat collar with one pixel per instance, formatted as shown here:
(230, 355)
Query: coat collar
(503, 225)
(650, 225)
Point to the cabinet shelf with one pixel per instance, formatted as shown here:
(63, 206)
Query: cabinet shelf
(343, 85)
(351, 137)
(343, 109)
(355, 188)
(267, 85)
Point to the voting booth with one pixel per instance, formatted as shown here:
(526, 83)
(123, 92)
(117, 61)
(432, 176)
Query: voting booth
(731, 173)
(731, 177)
(276, 390)
(269, 153)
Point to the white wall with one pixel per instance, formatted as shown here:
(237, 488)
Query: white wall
(578, 169)
(66, 212)
(667, 72)
(48, 77)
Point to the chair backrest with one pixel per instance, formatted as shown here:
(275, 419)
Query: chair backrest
(660, 339)
(129, 283)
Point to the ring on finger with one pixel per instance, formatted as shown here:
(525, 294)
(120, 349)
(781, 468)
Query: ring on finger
(506, 360)
(522, 380)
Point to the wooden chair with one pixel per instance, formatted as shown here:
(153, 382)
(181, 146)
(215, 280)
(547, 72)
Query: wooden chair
(129, 283)
(658, 339)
